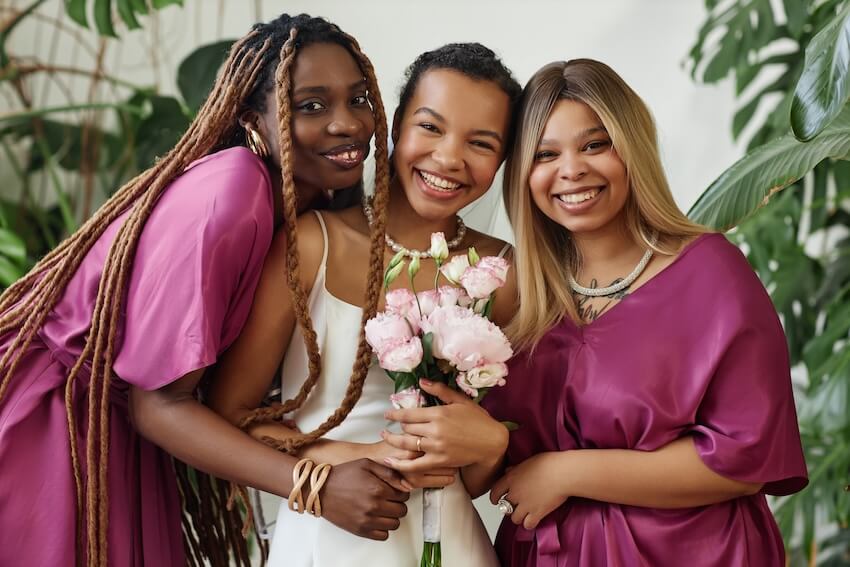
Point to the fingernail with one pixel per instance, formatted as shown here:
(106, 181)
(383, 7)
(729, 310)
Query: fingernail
(389, 461)
(425, 382)
(407, 486)
(383, 434)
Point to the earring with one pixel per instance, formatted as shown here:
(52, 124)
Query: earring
(255, 142)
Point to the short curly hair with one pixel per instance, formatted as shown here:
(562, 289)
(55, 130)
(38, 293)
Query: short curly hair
(470, 59)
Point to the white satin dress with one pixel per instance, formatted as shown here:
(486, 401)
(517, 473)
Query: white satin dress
(305, 541)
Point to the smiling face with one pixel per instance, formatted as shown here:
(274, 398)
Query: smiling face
(332, 121)
(450, 141)
(577, 179)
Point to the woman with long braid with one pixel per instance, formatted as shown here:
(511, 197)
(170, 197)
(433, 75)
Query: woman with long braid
(451, 131)
(103, 343)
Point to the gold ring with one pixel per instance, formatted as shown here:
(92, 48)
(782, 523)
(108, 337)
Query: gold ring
(419, 444)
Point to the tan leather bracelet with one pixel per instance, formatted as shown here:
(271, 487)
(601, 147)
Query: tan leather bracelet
(300, 474)
(317, 481)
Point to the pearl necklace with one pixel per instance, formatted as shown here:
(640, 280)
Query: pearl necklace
(396, 247)
(619, 286)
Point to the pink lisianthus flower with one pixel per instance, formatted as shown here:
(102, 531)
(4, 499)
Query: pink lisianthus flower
(455, 268)
(465, 339)
(385, 328)
(403, 302)
(450, 295)
(499, 265)
(401, 355)
(408, 398)
(484, 376)
(428, 301)
(439, 248)
(481, 281)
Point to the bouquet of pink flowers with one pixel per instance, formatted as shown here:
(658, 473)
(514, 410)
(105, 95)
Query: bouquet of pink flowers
(444, 335)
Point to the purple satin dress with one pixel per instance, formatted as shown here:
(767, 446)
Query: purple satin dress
(192, 284)
(698, 350)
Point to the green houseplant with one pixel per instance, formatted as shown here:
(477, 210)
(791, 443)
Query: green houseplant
(791, 74)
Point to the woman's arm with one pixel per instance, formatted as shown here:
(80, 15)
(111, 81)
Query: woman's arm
(673, 476)
(361, 497)
(244, 375)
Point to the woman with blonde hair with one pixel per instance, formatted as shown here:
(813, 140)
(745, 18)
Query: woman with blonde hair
(653, 390)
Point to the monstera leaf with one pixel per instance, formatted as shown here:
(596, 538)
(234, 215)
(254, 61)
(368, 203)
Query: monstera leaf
(824, 86)
(749, 183)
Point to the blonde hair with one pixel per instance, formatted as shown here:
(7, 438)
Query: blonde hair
(545, 254)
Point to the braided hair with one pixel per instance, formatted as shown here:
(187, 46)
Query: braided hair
(258, 62)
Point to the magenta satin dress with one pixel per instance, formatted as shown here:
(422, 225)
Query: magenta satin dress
(193, 280)
(698, 350)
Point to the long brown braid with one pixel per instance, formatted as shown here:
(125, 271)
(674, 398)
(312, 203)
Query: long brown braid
(374, 277)
(210, 513)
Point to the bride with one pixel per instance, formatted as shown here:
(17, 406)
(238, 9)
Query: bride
(450, 132)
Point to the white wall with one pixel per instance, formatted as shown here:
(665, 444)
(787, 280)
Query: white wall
(644, 40)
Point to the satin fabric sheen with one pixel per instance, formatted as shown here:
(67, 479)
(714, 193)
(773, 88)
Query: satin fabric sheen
(697, 350)
(192, 283)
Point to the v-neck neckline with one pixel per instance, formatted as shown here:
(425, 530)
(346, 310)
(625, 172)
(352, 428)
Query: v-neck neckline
(648, 283)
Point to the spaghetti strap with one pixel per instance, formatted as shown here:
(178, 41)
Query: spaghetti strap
(324, 238)
(504, 250)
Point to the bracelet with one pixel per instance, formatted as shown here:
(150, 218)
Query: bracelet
(317, 481)
(300, 474)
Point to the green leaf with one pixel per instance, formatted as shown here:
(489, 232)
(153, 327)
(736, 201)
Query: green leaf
(9, 272)
(824, 86)
(76, 10)
(139, 6)
(795, 12)
(723, 60)
(160, 130)
(125, 9)
(160, 4)
(427, 348)
(103, 17)
(743, 116)
(510, 425)
(197, 72)
(749, 183)
(11, 245)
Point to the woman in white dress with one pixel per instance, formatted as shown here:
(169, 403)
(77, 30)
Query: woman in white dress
(450, 131)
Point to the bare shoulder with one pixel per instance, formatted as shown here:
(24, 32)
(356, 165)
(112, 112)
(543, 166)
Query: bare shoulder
(486, 245)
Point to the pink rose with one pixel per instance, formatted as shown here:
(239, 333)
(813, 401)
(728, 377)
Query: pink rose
(465, 339)
(385, 328)
(455, 267)
(401, 355)
(408, 398)
(498, 265)
(451, 295)
(479, 282)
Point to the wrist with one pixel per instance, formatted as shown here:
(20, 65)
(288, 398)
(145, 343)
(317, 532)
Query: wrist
(494, 457)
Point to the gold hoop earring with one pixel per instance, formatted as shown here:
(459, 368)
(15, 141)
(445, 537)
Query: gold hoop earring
(256, 143)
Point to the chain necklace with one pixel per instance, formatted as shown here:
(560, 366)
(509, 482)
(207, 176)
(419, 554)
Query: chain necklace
(396, 247)
(617, 287)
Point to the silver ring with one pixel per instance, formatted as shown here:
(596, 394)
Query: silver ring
(419, 444)
(505, 507)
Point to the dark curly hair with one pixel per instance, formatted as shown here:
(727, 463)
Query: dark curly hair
(470, 59)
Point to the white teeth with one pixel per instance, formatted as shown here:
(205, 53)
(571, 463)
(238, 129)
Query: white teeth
(575, 198)
(438, 182)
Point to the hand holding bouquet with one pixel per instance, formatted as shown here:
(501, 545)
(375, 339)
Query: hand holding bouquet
(444, 335)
